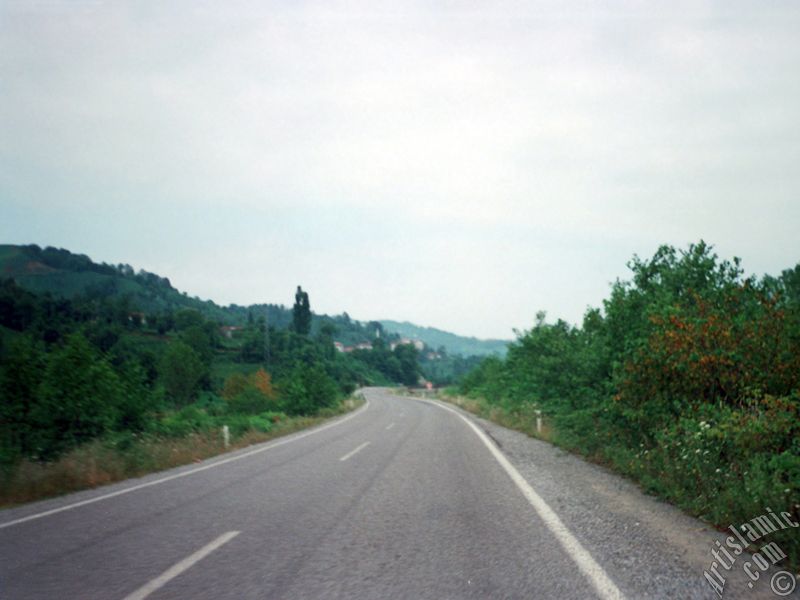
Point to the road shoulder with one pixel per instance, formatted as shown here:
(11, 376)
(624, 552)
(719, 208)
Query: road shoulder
(650, 548)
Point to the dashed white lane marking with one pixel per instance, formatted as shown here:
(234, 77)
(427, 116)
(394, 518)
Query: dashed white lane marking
(225, 461)
(601, 582)
(389, 426)
(352, 452)
(178, 568)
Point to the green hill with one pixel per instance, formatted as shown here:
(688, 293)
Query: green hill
(454, 344)
(65, 274)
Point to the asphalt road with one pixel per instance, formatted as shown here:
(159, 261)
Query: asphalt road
(402, 499)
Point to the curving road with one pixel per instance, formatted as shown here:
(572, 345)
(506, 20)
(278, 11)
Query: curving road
(401, 499)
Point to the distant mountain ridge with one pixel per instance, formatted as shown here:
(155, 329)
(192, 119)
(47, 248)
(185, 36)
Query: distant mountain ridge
(65, 274)
(454, 344)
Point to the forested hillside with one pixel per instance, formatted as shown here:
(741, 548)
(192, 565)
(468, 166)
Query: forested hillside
(687, 379)
(92, 370)
(150, 299)
(68, 275)
(64, 274)
(452, 343)
(73, 370)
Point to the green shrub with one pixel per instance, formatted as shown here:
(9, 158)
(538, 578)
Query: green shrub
(259, 423)
(250, 401)
(190, 419)
(689, 382)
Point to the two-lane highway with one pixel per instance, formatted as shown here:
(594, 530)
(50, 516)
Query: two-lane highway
(401, 499)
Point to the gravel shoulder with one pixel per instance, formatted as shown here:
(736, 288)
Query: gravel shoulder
(650, 548)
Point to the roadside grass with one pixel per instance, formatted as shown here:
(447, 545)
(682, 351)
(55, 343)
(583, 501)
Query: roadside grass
(120, 457)
(728, 497)
(519, 421)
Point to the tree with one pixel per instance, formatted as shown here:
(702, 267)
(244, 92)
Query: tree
(307, 389)
(252, 349)
(188, 317)
(301, 312)
(182, 371)
(199, 339)
(136, 399)
(262, 381)
(20, 374)
(235, 384)
(79, 398)
(325, 336)
(406, 355)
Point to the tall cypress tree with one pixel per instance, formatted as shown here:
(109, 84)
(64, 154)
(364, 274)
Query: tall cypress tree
(301, 312)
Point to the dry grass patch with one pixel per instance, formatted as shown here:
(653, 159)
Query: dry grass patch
(519, 421)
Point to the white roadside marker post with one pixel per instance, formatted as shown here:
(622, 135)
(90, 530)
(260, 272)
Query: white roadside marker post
(226, 435)
(539, 422)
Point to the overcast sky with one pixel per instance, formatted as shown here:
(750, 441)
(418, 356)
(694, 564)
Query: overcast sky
(456, 164)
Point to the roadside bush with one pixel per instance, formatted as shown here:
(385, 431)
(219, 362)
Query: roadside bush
(250, 401)
(212, 404)
(688, 381)
(250, 394)
(78, 398)
(189, 419)
(306, 390)
(259, 423)
(182, 371)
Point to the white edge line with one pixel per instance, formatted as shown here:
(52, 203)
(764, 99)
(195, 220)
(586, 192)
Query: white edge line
(224, 461)
(180, 567)
(352, 452)
(601, 582)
